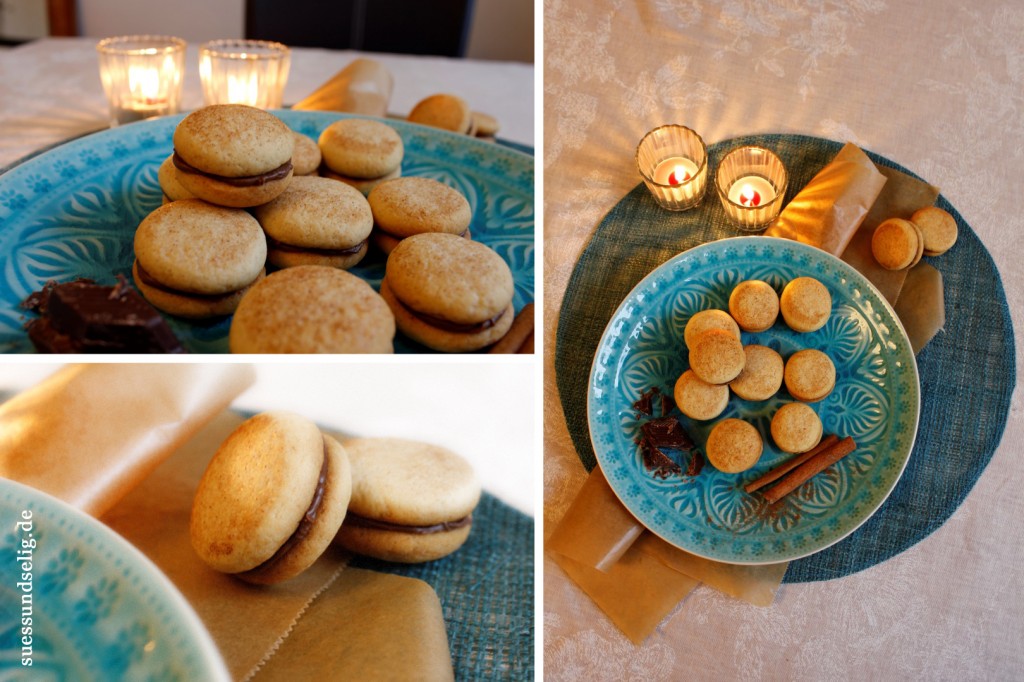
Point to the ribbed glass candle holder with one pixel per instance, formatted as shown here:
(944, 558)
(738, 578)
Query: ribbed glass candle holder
(673, 161)
(252, 72)
(142, 76)
(751, 182)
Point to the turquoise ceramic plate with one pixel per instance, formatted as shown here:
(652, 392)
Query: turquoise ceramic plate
(82, 604)
(72, 212)
(876, 401)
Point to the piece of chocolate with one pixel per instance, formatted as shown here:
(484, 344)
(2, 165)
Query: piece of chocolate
(85, 317)
(666, 432)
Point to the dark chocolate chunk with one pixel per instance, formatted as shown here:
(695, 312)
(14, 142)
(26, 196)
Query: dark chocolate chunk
(644, 403)
(657, 462)
(696, 464)
(84, 317)
(666, 432)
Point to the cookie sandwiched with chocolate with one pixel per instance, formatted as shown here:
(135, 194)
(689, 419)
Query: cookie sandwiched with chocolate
(445, 111)
(271, 500)
(233, 155)
(316, 221)
(197, 260)
(448, 293)
(361, 152)
(406, 206)
(411, 502)
(85, 317)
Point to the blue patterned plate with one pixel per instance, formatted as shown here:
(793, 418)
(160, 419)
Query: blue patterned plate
(72, 212)
(876, 400)
(82, 604)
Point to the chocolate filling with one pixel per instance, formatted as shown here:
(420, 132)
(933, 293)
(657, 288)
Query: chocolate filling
(377, 227)
(305, 523)
(150, 281)
(278, 173)
(281, 246)
(363, 522)
(448, 325)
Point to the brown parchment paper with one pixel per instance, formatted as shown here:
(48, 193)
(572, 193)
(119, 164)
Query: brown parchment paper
(921, 306)
(252, 625)
(89, 433)
(828, 210)
(362, 87)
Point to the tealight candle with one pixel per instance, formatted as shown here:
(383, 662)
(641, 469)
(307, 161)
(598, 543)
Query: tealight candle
(142, 76)
(252, 72)
(751, 182)
(672, 161)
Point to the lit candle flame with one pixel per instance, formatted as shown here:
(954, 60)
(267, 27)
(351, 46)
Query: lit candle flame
(749, 196)
(678, 172)
(243, 90)
(144, 84)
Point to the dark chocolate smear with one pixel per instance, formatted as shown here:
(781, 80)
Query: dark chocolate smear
(364, 522)
(448, 325)
(281, 246)
(278, 173)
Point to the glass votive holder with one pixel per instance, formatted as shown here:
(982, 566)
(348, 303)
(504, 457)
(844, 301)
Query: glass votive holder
(673, 161)
(142, 76)
(751, 182)
(252, 72)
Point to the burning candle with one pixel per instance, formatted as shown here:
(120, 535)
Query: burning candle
(252, 72)
(142, 76)
(672, 161)
(751, 182)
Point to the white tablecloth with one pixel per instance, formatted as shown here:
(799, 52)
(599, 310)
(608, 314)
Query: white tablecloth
(936, 87)
(50, 89)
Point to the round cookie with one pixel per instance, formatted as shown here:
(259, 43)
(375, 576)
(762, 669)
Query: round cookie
(449, 293)
(805, 304)
(895, 243)
(796, 428)
(411, 502)
(361, 148)
(271, 499)
(698, 399)
(485, 124)
(306, 157)
(167, 176)
(316, 221)
(312, 309)
(233, 155)
(762, 373)
(194, 259)
(938, 228)
(810, 375)
(754, 305)
(407, 206)
(449, 112)
(709, 319)
(734, 446)
(716, 356)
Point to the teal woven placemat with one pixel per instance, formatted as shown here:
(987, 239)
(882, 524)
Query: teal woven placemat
(486, 591)
(967, 372)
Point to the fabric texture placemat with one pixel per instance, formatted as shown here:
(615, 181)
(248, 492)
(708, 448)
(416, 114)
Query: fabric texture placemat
(486, 591)
(967, 372)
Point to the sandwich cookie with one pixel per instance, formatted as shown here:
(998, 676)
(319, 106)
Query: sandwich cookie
(709, 319)
(271, 499)
(312, 309)
(167, 176)
(754, 305)
(411, 502)
(896, 244)
(448, 293)
(306, 158)
(698, 399)
(810, 375)
(716, 356)
(448, 112)
(484, 125)
(316, 221)
(194, 259)
(805, 304)
(734, 446)
(361, 152)
(796, 428)
(406, 206)
(233, 155)
(761, 377)
(938, 229)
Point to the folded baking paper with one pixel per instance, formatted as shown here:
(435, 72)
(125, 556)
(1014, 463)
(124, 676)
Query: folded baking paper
(253, 625)
(89, 433)
(362, 87)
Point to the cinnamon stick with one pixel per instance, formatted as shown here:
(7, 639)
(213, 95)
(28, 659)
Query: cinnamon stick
(790, 464)
(521, 329)
(812, 467)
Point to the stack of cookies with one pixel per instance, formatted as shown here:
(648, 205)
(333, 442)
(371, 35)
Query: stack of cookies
(451, 112)
(720, 364)
(898, 244)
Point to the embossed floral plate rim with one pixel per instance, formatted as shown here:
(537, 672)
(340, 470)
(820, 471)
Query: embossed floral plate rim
(709, 514)
(71, 212)
(116, 614)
